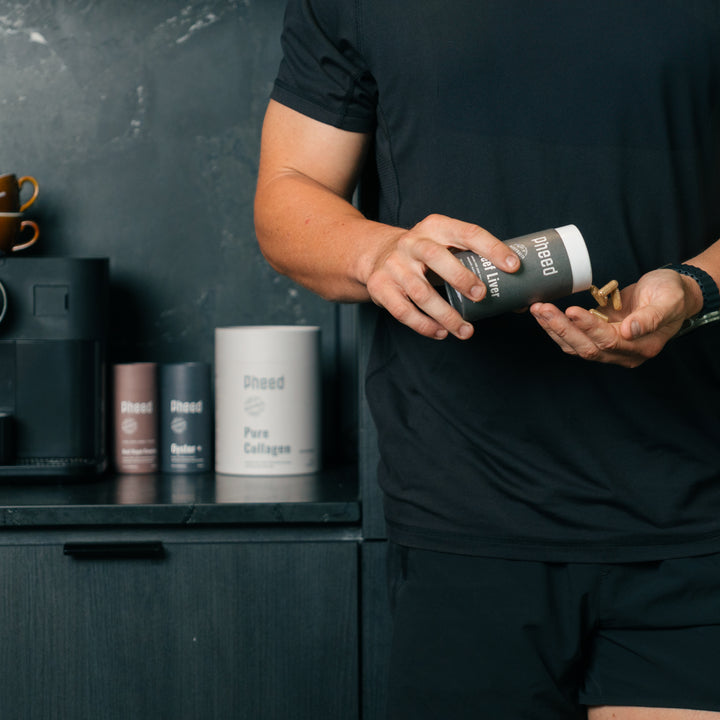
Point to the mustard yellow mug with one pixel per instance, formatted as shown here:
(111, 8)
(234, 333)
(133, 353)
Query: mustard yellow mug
(13, 232)
(11, 189)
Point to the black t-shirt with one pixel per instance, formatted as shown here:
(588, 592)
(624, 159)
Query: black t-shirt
(519, 116)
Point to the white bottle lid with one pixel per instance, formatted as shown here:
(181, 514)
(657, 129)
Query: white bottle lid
(578, 256)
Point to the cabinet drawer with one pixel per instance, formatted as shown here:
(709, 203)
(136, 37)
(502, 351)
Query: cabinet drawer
(174, 630)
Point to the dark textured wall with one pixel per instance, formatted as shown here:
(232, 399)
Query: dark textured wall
(141, 121)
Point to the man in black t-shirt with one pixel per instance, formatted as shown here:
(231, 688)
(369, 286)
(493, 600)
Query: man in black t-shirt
(554, 516)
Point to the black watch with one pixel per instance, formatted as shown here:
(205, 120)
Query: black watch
(708, 287)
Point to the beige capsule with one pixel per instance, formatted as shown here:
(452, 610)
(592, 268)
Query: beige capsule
(600, 299)
(609, 288)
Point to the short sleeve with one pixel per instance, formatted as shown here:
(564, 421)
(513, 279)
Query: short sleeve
(322, 73)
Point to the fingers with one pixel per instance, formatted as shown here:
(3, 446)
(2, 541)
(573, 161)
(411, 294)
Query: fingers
(578, 332)
(431, 243)
(428, 315)
(650, 320)
(572, 336)
(401, 287)
(430, 256)
(467, 236)
(400, 281)
(642, 322)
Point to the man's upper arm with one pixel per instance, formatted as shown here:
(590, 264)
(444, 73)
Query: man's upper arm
(293, 143)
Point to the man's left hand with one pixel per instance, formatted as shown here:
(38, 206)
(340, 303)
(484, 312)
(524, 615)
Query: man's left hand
(654, 309)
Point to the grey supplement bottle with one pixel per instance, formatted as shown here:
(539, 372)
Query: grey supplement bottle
(185, 417)
(554, 263)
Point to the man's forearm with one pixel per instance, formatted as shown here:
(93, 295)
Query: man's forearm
(309, 233)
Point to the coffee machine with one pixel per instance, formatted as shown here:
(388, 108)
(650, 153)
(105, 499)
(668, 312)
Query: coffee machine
(53, 342)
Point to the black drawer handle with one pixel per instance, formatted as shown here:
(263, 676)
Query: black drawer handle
(102, 550)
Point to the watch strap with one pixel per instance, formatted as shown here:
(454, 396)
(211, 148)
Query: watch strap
(708, 287)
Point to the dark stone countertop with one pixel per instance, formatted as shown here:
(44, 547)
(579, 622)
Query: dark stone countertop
(328, 497)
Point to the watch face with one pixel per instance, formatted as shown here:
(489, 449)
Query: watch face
(699, 321)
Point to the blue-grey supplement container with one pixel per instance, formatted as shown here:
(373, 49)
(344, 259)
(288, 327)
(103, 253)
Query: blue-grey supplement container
(186, 415)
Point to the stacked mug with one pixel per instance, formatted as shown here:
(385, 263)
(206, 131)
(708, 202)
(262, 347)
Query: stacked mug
(16, 233)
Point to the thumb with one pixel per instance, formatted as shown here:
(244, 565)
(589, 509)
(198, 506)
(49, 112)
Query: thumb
(645, 321)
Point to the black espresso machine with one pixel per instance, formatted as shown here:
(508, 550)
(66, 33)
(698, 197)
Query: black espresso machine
(53, 342)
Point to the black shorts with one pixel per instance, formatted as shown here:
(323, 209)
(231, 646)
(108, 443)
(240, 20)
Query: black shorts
(513, 640)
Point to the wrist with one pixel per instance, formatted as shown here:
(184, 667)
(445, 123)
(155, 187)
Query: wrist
(380, 241)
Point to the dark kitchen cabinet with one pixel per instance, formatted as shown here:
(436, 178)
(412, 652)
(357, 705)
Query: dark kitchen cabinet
(210, 630)
(204, 622)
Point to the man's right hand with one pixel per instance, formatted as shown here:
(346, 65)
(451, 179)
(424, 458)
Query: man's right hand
(403, 276)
